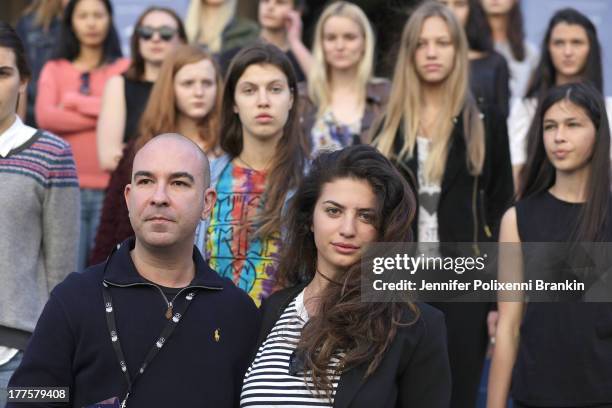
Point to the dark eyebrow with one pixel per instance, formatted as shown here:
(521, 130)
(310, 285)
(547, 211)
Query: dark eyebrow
(341, 206)
(278, 81)
(180, 174)
(143, 173)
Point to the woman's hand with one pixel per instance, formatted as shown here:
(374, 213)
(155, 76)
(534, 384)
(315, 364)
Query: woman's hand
(293, 25)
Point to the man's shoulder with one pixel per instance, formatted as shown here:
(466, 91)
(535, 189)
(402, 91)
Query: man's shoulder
(235, 296)
(80, 285)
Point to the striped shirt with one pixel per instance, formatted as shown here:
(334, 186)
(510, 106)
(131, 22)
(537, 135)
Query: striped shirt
(267, 382)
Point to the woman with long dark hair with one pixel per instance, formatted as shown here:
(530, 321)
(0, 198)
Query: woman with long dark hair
(570, 52)
(69, 99)
(157, 32)
(457, 161)
(559, 354)
(265, 161)
(185, 99)
(489, 75)
(506, 22)
(320, 342)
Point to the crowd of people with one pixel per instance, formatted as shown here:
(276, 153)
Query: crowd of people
(228, 167)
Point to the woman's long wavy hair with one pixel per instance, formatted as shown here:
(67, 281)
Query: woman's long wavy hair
(289, 158)
(137, 66)
(161, 114)
(319, 75)
(540, 174)
(545, 75)
(403, 112)
(68, 45)
(362, 330)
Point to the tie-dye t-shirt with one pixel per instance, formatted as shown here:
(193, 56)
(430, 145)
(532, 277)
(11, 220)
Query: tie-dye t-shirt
(231, 248)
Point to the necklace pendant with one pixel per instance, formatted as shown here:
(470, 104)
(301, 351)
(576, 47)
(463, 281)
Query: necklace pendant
(169, 311)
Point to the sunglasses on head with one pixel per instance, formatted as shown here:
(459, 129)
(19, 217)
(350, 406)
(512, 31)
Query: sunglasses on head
(166, 33)
(85, 86)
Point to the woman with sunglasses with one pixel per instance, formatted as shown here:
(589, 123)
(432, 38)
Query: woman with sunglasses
(157, 32)
(69, 99)
(185, 99)
(320, 344)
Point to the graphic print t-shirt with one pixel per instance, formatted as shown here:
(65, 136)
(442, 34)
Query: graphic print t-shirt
(232, 248)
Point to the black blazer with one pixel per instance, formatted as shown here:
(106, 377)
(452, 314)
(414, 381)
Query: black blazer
(414, 373)
(470, 208)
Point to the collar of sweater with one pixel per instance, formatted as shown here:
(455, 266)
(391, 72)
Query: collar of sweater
(120, 270)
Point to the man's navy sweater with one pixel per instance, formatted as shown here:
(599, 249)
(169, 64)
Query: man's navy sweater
(201, 365)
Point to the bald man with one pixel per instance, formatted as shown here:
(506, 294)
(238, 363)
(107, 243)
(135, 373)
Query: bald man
(153, 326)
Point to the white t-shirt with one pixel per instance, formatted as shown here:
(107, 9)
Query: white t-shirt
(520, 71)
(429, 196)
(522, 112)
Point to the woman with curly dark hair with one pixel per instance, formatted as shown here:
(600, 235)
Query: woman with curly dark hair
(320, 343)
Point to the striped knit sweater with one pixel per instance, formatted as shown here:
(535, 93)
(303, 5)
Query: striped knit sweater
(39, 224)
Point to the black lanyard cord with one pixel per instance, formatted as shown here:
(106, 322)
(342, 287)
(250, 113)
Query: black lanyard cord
(155, 348)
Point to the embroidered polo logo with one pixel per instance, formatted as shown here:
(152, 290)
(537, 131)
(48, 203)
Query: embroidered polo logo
(114, 336)
(123, 366)
(190, 295)
(217, 335)
(109, 307)
(176, 317)
(160, 342)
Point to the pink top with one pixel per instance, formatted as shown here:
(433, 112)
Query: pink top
(63, 110)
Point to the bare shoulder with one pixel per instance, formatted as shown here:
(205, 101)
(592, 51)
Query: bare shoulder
(508, 231)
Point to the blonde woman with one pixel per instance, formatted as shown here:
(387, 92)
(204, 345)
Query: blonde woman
(457, 161)
(214, 25)
(342, 98)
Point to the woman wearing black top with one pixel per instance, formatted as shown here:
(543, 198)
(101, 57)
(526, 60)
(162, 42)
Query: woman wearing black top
(489, 73)
(320, 344)
(559, 355)
(457, 161)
